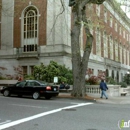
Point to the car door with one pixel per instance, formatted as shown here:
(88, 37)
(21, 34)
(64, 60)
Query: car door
(18, 89)
(28, 88)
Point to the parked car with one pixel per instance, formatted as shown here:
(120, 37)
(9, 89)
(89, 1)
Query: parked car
(34, 88)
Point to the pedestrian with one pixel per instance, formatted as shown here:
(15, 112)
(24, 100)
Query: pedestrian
(104, 88)
(62, 85)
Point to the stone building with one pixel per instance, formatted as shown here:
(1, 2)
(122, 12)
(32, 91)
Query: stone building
(33, 32)
(111, 46)
(38, 31)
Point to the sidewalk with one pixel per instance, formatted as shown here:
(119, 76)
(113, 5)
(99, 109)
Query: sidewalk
(110, 100)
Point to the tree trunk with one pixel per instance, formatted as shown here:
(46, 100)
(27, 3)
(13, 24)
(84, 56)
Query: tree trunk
(79, 64)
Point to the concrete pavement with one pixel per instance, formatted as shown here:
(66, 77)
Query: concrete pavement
(110, 100)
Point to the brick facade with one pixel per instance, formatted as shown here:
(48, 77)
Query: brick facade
(110, 31)
(19, 7)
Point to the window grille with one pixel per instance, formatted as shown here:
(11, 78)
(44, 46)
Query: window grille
(30, 29)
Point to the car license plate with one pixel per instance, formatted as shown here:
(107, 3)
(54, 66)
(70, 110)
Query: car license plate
(54, 89)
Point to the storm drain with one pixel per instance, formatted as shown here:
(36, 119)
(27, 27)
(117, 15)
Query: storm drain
(70, 109)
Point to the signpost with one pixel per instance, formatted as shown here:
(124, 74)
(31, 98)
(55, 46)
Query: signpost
(55, 80)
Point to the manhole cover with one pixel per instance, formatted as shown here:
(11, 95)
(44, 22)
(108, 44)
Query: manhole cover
(70, 109)
(91, 129)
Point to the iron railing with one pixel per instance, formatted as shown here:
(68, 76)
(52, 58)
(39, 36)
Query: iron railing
(28, 51)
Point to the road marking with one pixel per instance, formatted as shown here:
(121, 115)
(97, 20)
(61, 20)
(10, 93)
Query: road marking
(39, 115)
(7, 121)
(26, 106)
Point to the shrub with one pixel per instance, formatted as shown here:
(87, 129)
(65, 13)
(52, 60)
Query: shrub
(123, 84)
(126, 79)
(110, 80)
(28, 77)
(93, 80)
(47, 73)
(2, 78)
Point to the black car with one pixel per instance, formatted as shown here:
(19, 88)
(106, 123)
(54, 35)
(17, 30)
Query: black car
(34, 88)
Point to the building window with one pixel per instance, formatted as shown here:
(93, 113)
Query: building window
(98, 10)
(116, 50)
(124, 55)
(127, 38)
(30, 29)
(123, 34)
(111, 48)
(120, 30)
(98, 42)
(105, 39)
(116, 27)
(105, 15)
(111, 21)
(24, 70)
(120, 53)
(31, 70)
(127, 57)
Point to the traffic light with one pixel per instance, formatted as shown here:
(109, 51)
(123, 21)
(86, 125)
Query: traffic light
(71, 2)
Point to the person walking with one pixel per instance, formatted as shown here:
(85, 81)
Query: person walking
(103, 87)
(62, 85)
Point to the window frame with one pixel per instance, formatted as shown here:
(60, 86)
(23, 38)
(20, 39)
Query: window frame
(25, 41)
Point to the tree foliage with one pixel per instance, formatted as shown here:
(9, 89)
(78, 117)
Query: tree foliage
(47, 73)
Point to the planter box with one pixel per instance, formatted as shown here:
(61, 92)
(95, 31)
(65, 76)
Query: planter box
(7, 82)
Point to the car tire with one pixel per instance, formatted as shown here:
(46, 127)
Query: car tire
(6, 93)
(47, 97)
(36, 95)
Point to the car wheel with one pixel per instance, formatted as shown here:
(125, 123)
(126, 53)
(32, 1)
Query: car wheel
(36, 95)
(6, 93)
(47, 97)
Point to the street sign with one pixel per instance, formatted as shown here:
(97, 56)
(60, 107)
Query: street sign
(55, 79)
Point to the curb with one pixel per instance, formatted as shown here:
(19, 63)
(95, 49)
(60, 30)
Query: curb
(97, 100)
(87, 98)
(110, 101)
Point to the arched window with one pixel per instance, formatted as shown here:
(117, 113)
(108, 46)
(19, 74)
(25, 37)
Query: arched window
(30, 29)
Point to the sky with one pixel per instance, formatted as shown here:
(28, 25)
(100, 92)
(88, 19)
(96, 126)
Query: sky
(125, 5)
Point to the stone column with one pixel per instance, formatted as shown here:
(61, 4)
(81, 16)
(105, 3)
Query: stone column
(7, 20)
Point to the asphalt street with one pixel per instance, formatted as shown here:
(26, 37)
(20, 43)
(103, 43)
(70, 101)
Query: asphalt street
(60, 114)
